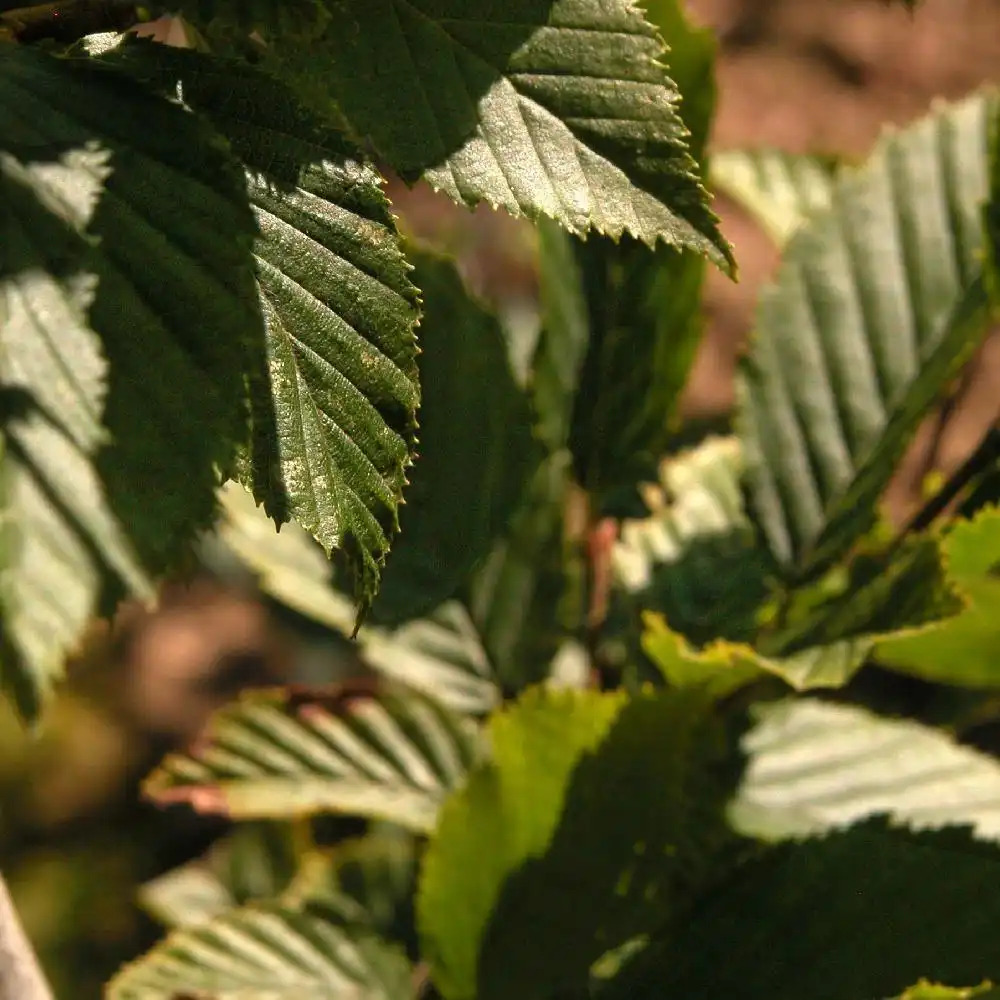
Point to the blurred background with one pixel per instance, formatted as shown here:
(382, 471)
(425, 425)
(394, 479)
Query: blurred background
(76, 841)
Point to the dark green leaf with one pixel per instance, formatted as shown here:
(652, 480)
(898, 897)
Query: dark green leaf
(863, 913)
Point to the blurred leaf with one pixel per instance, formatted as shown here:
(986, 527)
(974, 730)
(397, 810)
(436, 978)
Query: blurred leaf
(934, 991)
(516, 597)
(910, 904)
(722, 667)
(780, 190)
(962, 650)
(186, 896)
(878, 302)
(378, 872)
(813, 766)
(353, 751)
(441, 655)
(475, 453)
(267, 951)
(542, 837)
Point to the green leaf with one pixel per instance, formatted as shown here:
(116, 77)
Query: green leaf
(394, 757)
(558, 108)
(476, 448)
(377, 872)
(334, 400)
(290, 566)
(963, 649)
(518, 597)
(102, 221)
(542, 837)
(813, 766)
(722, 667)
(863, 913)
(695, 558)
(255, 862)
(877, 303)
(267, 951)
(780, 190)
(934, 991)
(441, 655)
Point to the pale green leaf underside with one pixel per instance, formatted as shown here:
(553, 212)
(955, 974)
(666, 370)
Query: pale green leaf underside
(388, 756)
(266, 953)
(780, 190)
(814, 766)
(877, 302)
(556, 108)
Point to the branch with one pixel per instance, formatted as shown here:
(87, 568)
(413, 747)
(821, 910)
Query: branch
(21, 977)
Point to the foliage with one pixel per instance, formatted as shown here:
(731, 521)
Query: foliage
(577, 759)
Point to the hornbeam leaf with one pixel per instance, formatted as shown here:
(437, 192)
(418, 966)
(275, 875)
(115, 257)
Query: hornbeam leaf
(912, 904)
(877, 303)
(274, 755)
(334, 401)
(267, 951)
(780, 190)
(125, 235)
(813, 766)
(558, 108)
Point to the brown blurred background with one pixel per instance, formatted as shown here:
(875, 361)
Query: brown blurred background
(805, 75)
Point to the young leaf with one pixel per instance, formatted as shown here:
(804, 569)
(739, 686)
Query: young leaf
(542, 837)
(911, 904)
(267, 951)
(961, 650)
(780, 190)
(335, 397)
(558, 108)
(476, 448)
(877, 303)
(111, 200)
(934, 991)
(814, 766)
(274, 755)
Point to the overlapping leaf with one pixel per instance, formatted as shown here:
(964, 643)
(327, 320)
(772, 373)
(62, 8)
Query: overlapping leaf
(813, 766)
(112, 201)
(335, 397)
(877, 303)
(541, 837)
(558, 108)
(780, 190)
(272, 755)
(912, 905)
(476, 448)
(962, 650)
(267, 951)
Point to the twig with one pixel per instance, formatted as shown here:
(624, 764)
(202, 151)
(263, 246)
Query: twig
(21, 977)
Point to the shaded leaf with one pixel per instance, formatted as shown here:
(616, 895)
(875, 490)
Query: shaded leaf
(266, 951)
(558, 108)
(517, 597)
(780, 190)
(542, 838)
(813, 766)
(911, 904)
(476, 448)
(335, 397)
(101, 221)
(877, 303)
(274, 755)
